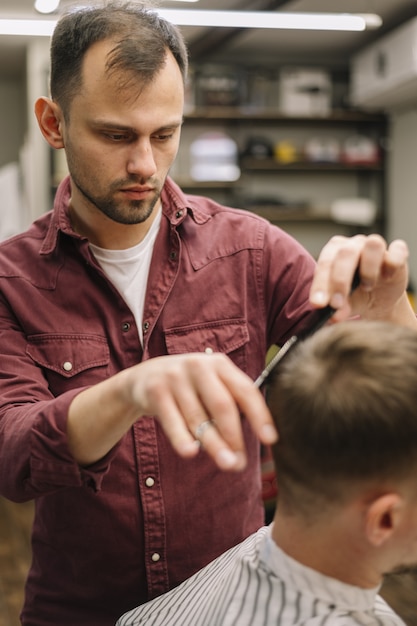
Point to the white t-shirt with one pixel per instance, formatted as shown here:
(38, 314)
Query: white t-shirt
(128, 270)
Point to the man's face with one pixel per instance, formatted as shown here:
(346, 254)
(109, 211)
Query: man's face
(121, 142)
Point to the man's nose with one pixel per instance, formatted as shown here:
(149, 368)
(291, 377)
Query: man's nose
(141, 161)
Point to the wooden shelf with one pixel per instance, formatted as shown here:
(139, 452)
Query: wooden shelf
(289, 214)
(293, 215)
(270, 164)
(230, 114)
(278, 213)
(260, 176)
(207, 184)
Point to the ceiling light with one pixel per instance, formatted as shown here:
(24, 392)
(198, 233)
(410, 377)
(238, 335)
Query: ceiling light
(46, 6)
(274, 20)
(36, 28)
(234, 19)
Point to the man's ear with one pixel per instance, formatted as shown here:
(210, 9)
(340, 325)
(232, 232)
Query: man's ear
(383, 516)
(49, 116)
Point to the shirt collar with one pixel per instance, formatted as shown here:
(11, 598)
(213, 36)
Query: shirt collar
(175, 206)
(60, 221)
(329, 590)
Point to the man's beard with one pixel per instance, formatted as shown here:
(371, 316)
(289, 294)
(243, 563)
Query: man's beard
(128, 212)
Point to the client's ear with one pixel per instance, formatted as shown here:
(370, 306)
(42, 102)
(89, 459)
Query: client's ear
(49, 116)
(382, 518)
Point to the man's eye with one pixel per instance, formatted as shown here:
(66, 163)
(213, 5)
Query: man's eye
(163, 136)
(116, 136)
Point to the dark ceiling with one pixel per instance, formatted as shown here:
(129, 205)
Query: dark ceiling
(263, 46)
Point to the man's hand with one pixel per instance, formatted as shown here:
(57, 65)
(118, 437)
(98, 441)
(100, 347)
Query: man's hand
(197, 398)
(383, 274)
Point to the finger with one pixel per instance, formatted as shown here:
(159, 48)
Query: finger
(168, 413)
(397, 257)
(251, 403)
(371, 261)
(379, 262)
(201, 429)
(399, 252)
(224, 391)
(191, 393)
(155, 394)
(213, 443)
(185, 391)
(335, 269)
(216, 402)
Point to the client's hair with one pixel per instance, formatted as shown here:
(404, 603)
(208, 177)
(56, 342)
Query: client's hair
(345, 403)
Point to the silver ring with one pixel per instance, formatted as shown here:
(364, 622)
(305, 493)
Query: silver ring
(201, 429)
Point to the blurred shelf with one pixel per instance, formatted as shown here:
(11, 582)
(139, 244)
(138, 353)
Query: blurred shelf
(270, 164)
(290, 214)
(187, 184)
(280, 214)
(245, 114)
(272, 183)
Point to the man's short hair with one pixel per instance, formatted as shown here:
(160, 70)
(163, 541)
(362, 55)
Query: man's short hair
(142, 39)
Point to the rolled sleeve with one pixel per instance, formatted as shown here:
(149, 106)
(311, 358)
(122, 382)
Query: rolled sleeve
(37, 456)
(52, 465)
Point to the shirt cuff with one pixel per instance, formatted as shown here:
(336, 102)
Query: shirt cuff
(52, 465)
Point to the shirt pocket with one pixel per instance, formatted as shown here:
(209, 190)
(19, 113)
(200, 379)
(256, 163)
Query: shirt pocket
(70, 361)
(228, 336)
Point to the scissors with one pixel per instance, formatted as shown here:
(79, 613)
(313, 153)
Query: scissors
(315, 320)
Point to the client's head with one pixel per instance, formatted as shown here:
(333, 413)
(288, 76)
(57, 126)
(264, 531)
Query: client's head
(345, 403)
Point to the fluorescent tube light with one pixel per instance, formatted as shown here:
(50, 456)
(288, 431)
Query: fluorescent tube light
(271, 19)
(234, 19)
(36, 28)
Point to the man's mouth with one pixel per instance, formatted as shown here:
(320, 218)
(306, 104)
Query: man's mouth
(137, 192)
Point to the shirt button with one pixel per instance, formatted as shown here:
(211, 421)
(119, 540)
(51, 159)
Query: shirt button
(125, 327)
(179, 214)
(155, 557)
(67, 366)
(209, 350)
(173, 255)
(145, 327)
(149, 482)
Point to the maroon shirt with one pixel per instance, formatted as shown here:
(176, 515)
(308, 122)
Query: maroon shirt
(141, 520)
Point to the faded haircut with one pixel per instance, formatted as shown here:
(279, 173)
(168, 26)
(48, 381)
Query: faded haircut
(142, 40)
(345, 404)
